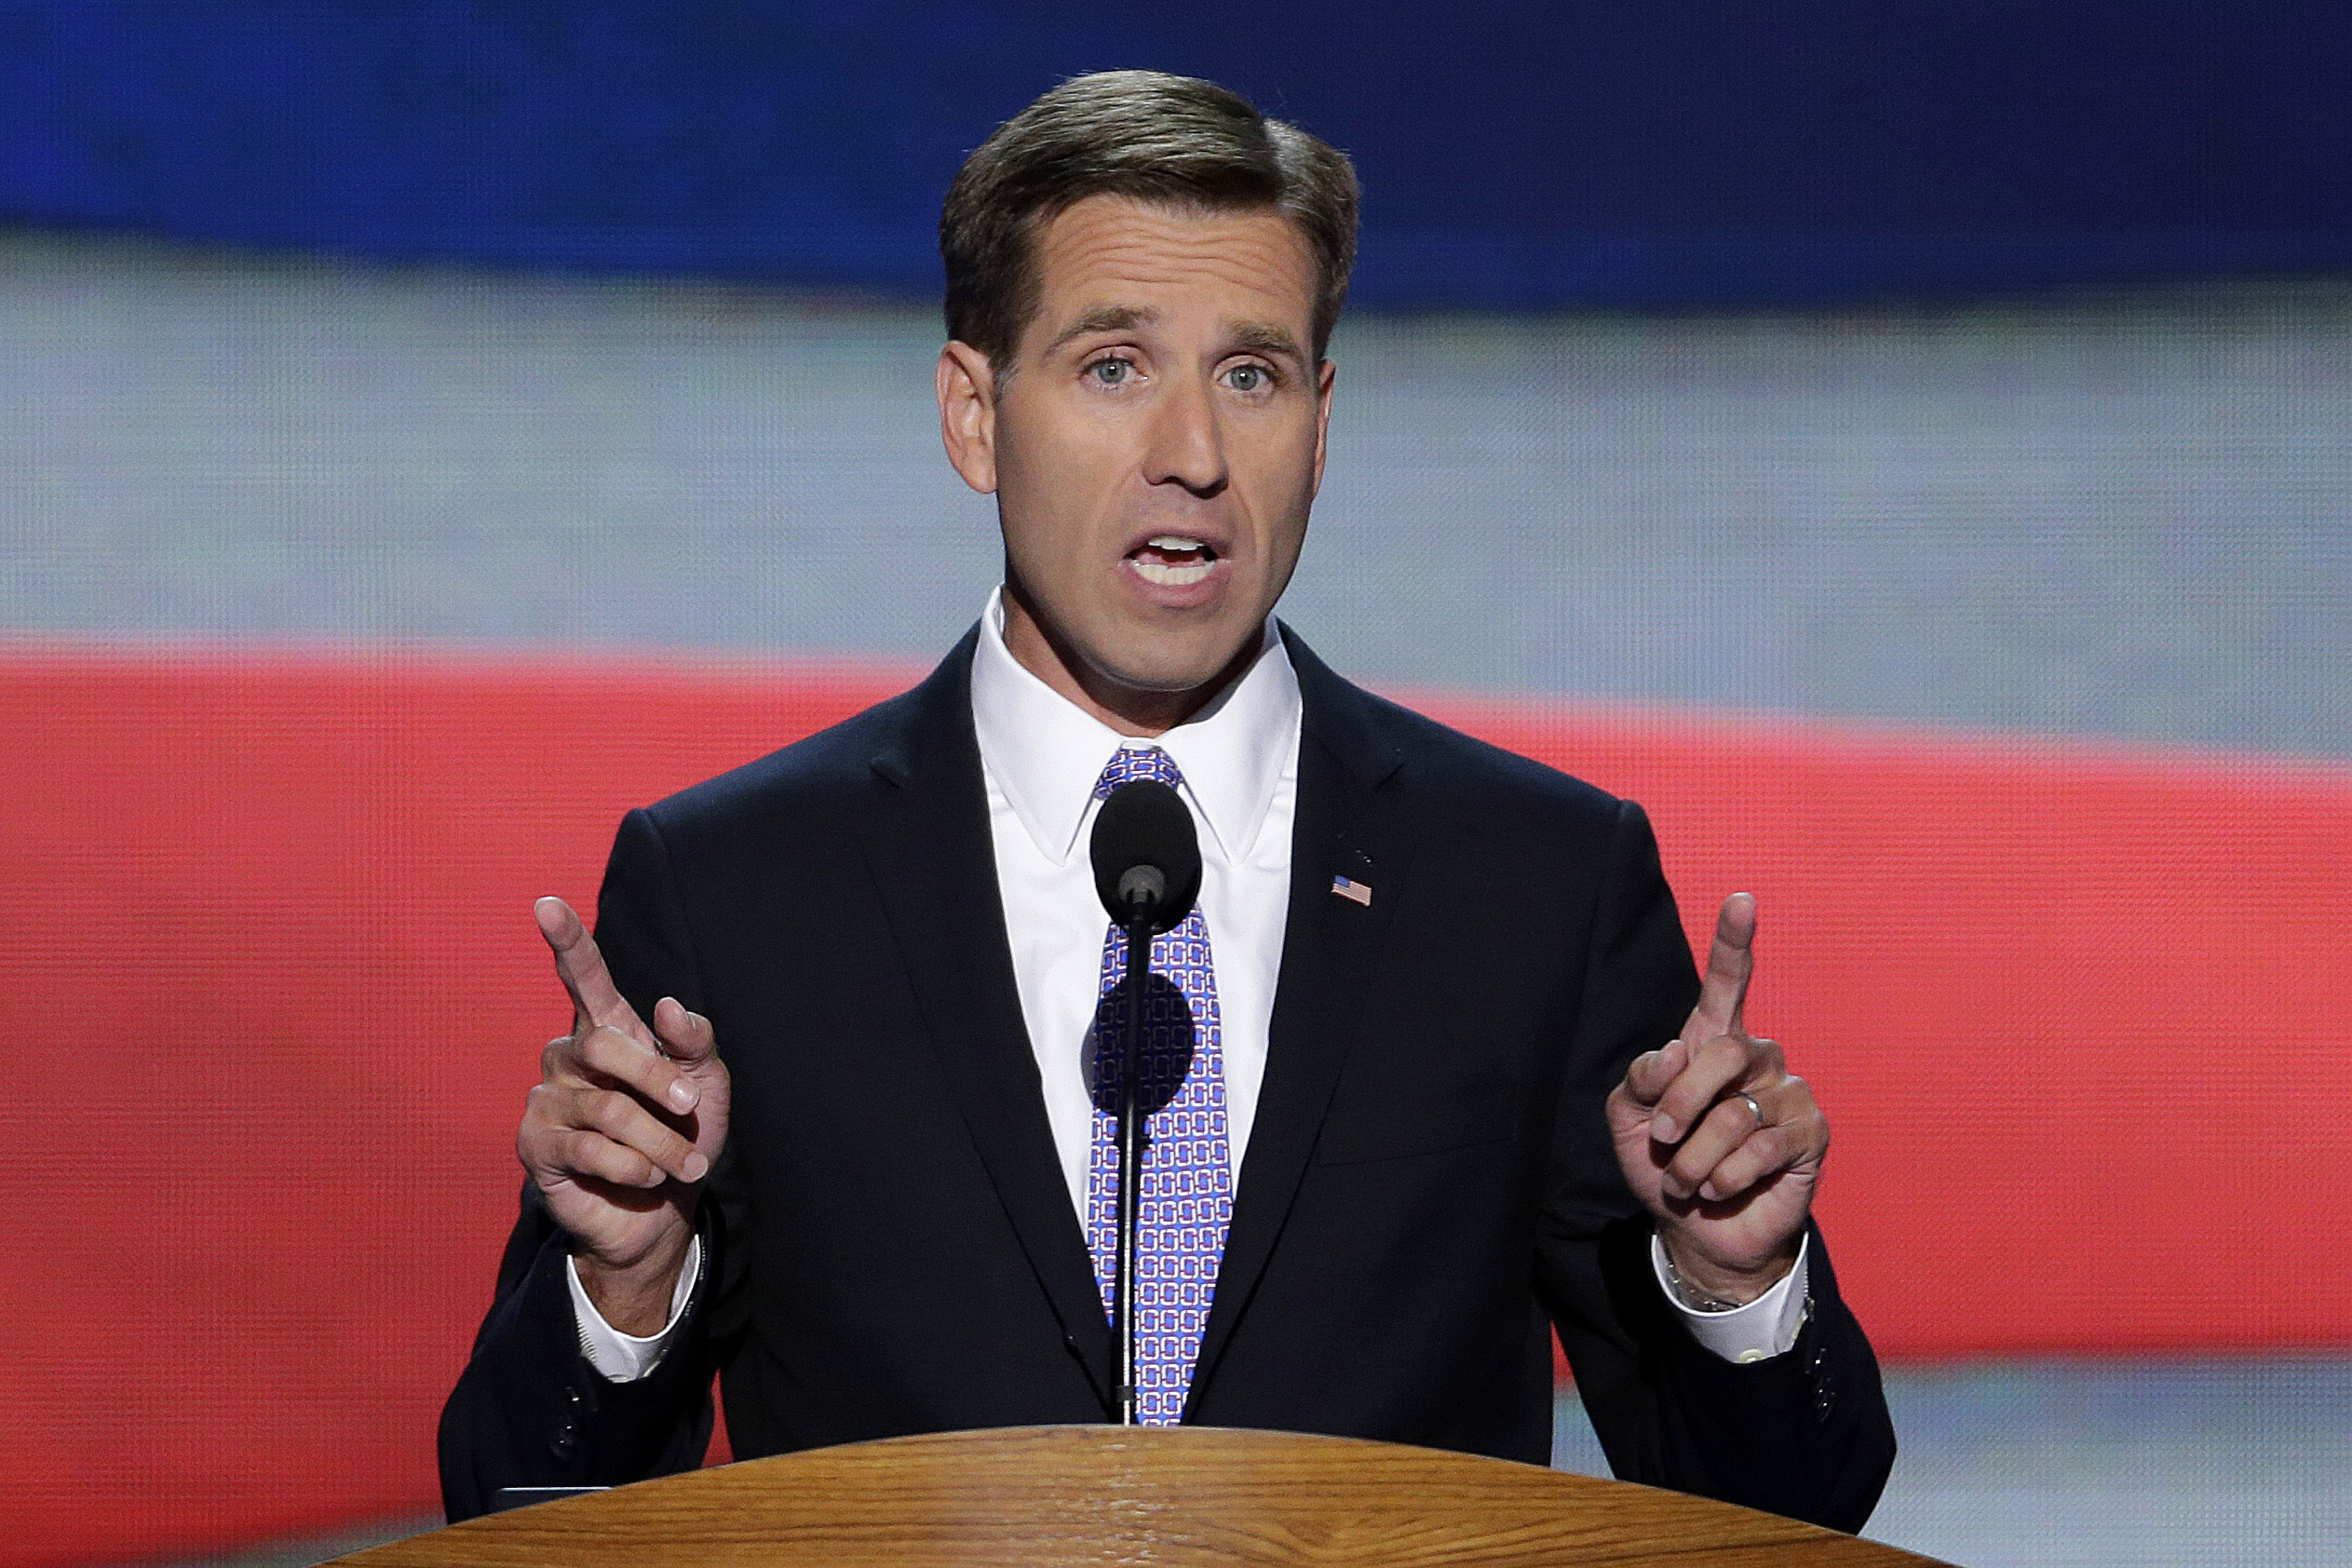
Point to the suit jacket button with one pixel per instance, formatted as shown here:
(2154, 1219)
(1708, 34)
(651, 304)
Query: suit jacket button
(566, 1441)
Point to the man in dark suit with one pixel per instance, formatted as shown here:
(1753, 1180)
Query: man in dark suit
(1432, 1076)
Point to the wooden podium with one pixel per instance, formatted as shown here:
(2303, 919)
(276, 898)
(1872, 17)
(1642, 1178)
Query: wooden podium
(1109, 1494)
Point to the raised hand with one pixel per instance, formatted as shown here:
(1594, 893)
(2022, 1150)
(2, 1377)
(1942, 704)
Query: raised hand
(1717, 1138)
(622, 1129)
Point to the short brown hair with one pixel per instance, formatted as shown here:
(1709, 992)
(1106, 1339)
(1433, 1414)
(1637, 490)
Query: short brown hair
(1169, 141)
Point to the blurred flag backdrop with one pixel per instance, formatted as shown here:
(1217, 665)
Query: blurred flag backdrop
(1905, 448)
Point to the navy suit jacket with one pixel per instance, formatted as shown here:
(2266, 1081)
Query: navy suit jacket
(1430, 1190)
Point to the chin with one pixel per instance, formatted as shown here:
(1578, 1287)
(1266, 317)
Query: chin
(1145, 667)
(1162, 675)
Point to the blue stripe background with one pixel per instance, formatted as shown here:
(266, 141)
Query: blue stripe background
(1516, 155)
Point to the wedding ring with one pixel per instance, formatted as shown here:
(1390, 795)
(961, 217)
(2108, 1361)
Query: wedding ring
(1758, 1109)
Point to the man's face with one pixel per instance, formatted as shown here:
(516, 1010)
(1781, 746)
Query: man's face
(1158, 444)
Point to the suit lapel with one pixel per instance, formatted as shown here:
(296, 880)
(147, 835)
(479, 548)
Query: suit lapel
(1346, 826)
(928, 847)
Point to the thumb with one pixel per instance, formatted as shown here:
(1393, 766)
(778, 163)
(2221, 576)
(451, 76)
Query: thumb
(1648, 1079)
(686, 1036)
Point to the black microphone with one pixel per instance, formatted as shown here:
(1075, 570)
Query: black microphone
(1146, 856)
(1147, 851)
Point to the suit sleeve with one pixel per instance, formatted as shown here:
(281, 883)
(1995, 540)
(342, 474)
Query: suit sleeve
(1805, 1434)
(529, 1409)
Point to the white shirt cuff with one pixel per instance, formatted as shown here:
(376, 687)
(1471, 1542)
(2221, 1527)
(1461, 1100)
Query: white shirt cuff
(1764, 1328)
(624, 1358)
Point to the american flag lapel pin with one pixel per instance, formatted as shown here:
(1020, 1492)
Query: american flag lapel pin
(1348, 887)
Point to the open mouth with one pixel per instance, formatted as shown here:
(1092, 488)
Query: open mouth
(1172, 560)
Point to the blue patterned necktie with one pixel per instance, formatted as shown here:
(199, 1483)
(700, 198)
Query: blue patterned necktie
(1187, 1176)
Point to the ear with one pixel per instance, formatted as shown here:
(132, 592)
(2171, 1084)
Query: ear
(967, 414)
(1325, 373)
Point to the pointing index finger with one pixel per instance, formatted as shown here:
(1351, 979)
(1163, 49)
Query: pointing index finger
(1731, 962)
(594, 999)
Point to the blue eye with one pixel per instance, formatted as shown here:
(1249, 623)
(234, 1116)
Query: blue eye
(1247, 378)
(1111, 372)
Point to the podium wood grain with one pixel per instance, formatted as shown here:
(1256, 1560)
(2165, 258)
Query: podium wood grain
(1103, 1495)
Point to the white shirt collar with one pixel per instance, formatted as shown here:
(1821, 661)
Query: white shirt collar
(1046, 753)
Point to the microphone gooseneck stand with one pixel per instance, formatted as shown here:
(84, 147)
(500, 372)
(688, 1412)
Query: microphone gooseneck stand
(1139, 921)
(1146, 860)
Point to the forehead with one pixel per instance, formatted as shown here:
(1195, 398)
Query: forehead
(1109, 251)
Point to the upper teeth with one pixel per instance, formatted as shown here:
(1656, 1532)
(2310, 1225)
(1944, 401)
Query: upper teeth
(1173, 542)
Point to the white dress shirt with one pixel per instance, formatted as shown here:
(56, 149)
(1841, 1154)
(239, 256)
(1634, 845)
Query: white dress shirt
(1040, 756)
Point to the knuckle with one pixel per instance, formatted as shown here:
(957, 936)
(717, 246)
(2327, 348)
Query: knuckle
(561, 1059)
(632, 1070)
(565, 1150)
(1694, 1093)
(600, 1156)
(601, 1048)
(614, 1162)
(1685, 1107)
(1736, 1177)
(1703, 1150)
(608, 1110)
(1727, 1180)
(635, 1127)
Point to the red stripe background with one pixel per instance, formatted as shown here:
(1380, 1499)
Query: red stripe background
(2079, 1014)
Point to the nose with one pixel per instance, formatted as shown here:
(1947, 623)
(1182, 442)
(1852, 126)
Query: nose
(1185, 446)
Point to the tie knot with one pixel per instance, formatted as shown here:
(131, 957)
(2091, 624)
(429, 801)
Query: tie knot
(1131, 762)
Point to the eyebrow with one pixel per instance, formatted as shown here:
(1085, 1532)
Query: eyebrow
(1265, 337)
(1104, 319)
(1249, 337)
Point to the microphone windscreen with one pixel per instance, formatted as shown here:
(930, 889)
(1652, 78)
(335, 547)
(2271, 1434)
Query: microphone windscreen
(1144, 823)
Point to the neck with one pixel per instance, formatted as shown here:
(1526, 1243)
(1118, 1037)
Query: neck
(1138, 711)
